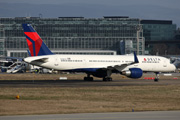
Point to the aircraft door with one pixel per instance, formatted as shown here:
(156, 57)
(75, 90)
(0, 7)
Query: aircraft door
(84, 61)
(56, 62)
(165, 63)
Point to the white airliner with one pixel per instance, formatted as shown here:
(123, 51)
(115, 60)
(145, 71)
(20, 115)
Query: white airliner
(97, 65)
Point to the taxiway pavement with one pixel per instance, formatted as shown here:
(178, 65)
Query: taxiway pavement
(155, 115)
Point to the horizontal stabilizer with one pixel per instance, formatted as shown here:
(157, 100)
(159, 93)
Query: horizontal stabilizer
(42, 60)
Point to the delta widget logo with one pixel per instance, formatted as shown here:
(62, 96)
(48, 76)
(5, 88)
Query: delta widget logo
(151, 60)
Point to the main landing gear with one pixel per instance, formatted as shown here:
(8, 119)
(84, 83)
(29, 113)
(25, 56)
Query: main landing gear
(156, 79)
(88, 78)
(107, 79)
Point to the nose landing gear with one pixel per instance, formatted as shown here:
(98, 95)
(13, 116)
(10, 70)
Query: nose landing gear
(156, 79)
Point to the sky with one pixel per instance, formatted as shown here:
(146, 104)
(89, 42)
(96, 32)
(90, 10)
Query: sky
(165, 3)
(143, 9)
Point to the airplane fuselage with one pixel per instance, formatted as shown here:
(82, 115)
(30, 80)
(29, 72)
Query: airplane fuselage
(84, 62)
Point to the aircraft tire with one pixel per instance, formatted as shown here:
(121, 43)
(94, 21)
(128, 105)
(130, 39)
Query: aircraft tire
(156, 80)
(107, 79)
(88, 78)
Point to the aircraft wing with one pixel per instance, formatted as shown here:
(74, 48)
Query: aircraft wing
(117, 67)
(122, 66)
(43, 60)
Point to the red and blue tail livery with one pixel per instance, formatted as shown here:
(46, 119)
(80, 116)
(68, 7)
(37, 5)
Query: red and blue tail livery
(36, 46)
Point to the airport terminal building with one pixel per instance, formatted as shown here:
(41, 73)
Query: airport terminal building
(109, 35)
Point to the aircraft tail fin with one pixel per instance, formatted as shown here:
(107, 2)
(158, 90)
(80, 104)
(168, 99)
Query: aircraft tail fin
(36, 45)
(28, 52)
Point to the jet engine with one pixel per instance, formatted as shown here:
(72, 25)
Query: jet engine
(133, 73)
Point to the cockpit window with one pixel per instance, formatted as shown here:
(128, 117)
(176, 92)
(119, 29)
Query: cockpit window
(172, 60)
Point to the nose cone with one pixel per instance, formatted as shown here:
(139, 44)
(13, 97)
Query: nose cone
(173, 67)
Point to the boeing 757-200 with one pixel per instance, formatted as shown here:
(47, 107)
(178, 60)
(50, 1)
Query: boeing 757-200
(101, 66)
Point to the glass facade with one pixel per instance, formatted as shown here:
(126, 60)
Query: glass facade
(2, 40)
(158, 30)
(73, 33)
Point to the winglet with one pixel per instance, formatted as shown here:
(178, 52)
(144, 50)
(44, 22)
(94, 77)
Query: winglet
(135, 58)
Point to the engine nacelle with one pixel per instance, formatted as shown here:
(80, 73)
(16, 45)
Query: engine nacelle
(133, 73)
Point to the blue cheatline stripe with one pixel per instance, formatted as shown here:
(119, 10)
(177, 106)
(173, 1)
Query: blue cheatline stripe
(83, 70)
(28, 28)
(33, 42)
